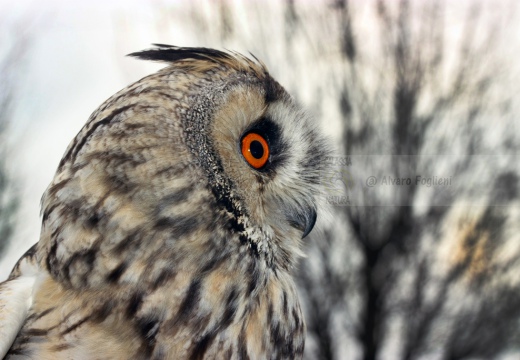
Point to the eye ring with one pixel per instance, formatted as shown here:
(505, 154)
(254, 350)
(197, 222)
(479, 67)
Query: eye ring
(255, 150)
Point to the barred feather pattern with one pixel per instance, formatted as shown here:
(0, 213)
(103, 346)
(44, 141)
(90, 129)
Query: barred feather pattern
(158, 241)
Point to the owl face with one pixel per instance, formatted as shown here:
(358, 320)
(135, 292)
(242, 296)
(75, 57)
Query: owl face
(263, 162)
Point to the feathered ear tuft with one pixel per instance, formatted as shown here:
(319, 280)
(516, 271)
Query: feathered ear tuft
(169, 53)
(204, 58)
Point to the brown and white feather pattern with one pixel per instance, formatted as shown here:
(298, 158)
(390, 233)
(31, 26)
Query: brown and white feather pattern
(158, 240)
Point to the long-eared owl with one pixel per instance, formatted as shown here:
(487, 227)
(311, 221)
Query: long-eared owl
(173, 223)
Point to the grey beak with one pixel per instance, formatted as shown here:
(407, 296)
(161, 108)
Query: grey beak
(303, 221)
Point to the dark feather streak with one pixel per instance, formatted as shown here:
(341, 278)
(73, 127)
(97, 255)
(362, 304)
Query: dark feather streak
(170, 53)
(79, 142)
(115, 274)
(75, 325)
(180, 226)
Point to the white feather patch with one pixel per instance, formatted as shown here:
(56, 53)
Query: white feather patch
(15, 300)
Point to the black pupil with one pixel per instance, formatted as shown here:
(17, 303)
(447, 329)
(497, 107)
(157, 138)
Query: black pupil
(256, 149)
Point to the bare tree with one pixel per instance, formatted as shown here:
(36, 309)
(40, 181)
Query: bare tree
(470, 308)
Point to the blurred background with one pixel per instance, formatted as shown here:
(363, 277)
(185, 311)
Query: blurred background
(403, 88)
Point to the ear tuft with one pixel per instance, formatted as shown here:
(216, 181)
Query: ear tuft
(169, 53)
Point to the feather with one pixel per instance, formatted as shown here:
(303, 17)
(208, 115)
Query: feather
(15, 301)
(16, 296)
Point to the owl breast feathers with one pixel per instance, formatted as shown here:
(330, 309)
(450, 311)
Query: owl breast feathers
(173, 222)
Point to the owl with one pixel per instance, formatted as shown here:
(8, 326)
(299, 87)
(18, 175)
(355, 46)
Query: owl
(174, 222)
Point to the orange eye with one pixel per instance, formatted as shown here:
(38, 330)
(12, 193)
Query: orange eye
(255, 150)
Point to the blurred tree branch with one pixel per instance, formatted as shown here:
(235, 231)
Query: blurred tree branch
(390, 238)
(10, 60)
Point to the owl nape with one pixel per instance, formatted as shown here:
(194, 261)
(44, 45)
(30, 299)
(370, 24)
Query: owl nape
(174, 222)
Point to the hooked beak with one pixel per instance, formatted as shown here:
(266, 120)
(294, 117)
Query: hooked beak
(304, 220)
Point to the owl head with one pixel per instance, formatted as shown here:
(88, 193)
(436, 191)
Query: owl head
(207, 159)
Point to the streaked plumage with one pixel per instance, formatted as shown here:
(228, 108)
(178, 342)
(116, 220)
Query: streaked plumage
(159, 241)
